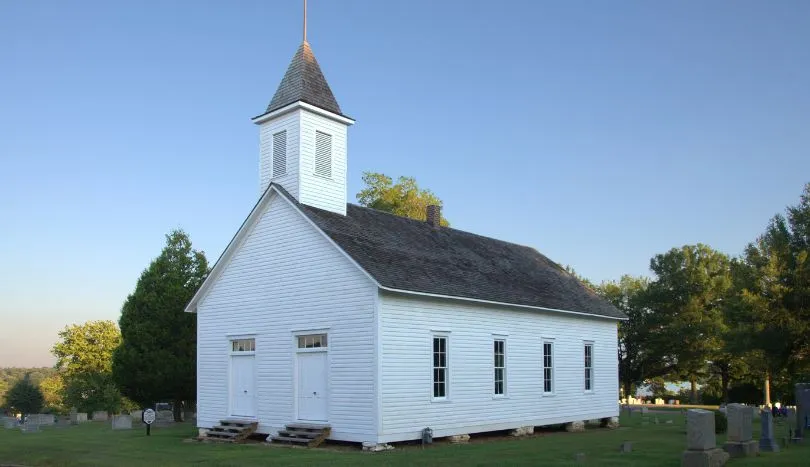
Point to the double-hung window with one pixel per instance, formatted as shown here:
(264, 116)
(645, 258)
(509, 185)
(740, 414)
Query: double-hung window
(499, 354)
(589, 367)
(440, 367)
(548, 368)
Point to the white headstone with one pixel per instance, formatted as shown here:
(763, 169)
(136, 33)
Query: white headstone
(122, 422)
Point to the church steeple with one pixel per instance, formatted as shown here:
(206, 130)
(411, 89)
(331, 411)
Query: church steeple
(302, 136)
(304, 82)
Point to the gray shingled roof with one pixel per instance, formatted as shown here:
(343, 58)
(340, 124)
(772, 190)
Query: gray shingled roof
(305, 82)
(411, 255)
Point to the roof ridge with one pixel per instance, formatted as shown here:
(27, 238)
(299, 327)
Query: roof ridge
(467, 232)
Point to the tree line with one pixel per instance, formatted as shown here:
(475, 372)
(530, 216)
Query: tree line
(737, 326)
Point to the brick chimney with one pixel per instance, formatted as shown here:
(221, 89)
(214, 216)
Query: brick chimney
(433, 215)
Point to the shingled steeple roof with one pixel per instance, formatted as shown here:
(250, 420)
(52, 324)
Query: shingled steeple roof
(304, 82)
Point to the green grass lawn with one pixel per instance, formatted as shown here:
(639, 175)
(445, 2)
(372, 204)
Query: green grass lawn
(96, 444)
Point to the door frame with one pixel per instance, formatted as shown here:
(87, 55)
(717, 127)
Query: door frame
(231, 355)
(296, 352)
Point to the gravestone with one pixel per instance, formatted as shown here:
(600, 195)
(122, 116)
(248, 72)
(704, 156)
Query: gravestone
(189, 415)
(78, 417)
(164, 417)
(41, 419)
(626, 446)
(802, 409)
(63, 421)
(791, 424)
(766, 441)
(738, 441)
(121, 422)
(701, 442)
(100, 416)
(137, 415)
(30, 426)
(10, 423)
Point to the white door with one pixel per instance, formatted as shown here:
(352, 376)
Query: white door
(312, 386)
(243, 386)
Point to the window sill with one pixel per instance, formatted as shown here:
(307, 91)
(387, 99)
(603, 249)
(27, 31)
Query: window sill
(442, 400)
(500, 398)
(323, 176)
(549, 394)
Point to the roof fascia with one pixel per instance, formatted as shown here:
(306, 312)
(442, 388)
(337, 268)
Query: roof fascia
(258, 120)
(490, 302)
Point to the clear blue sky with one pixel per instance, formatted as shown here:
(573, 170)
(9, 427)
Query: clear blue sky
(600, 133)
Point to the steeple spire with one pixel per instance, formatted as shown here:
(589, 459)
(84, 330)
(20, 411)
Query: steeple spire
(304, 82)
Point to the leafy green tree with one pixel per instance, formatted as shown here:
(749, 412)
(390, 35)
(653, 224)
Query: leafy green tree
(157, 358)
(775, 294)
(638, 360)
(691, 283)
(92, 391)
(403, 198)
(86, 348)
(25, 397)
(53, 389)
(84, 361)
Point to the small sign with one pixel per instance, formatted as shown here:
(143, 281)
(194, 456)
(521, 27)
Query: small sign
(149, 416)
(149, 419)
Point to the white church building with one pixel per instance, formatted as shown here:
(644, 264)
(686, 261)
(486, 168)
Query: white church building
(377, 326)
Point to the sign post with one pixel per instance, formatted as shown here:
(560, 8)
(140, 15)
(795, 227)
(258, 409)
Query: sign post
(148, 418)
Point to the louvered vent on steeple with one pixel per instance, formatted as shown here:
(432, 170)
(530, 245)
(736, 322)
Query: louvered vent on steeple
(280, 153)
(323, 154)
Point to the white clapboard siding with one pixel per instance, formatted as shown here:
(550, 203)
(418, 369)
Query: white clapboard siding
(287, 277)
(325, 192)
(407, 325)
(288, 122)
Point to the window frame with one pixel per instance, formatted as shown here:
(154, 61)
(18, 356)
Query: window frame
(588, 373)
(331, 155)
(495, 340)
(233, 339)
(284, 155)
(551, 368)
(445, 368)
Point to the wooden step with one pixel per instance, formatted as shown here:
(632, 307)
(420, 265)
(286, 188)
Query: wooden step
(291, 440)
(305, 426)
(221, 434)
(232, 430)
(299, 434)
(304, 434)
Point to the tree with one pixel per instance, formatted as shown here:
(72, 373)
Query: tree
(84, 360)
(25, 397)
(403, 198)
(86, 348)
(691, 283)
(53, 388)
(775, 296)
(156, 360)
(637, 358)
